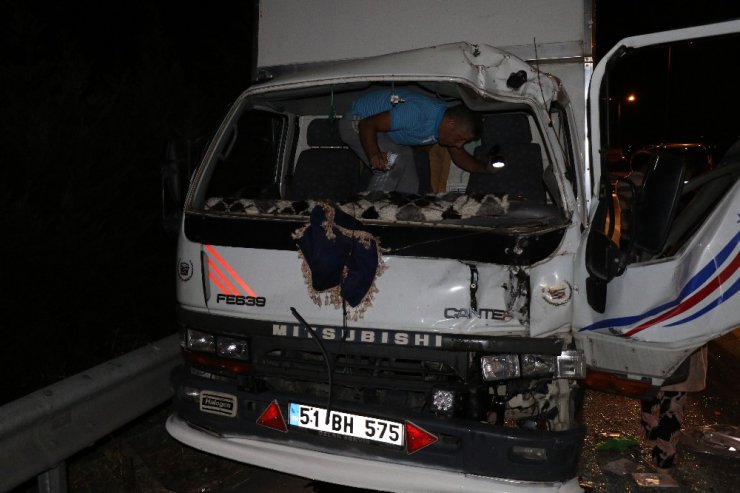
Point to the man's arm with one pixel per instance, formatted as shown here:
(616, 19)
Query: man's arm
(368, 129)
(467, 162)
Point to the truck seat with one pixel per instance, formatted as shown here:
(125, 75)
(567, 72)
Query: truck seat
(328, 169)
(521, 178)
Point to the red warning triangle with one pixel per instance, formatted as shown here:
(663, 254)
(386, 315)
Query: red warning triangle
(417, 438)
(272, 417)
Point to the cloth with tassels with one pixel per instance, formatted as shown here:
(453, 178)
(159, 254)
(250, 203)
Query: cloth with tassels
(341, 259)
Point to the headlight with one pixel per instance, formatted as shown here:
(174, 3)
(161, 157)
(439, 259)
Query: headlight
(200, 341)
(535, 365)
(500, 367)
(232, 348)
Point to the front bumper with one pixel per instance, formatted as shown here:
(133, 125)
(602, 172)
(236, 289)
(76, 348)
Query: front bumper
(353, 471)
(466, 448)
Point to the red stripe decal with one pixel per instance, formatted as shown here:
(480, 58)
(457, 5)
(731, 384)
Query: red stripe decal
(693, 300)
(214, 268)
(231, 271)
(217, 283)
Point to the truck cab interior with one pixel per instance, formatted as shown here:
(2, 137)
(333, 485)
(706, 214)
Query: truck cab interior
(284, 148)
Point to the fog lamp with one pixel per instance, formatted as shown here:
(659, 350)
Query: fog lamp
(232, 348)
(571, 364)
(534, 365)
(201, 341)
(500, 366)
(443, 401)
(529, 453)
(190, 394)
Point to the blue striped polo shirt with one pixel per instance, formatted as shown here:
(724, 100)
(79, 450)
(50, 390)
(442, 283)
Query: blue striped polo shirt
(415, 121)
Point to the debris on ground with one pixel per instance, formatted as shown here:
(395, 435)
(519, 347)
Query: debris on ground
(618, 443)
(654, 480)
(718, 439)
(621, 467)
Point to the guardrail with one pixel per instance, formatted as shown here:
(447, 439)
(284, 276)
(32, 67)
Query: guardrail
(40, 431)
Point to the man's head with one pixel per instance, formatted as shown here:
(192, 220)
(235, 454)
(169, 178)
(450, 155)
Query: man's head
(459, 125)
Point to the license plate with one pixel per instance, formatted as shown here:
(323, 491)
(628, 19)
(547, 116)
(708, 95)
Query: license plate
(346, 424)
(218, 403)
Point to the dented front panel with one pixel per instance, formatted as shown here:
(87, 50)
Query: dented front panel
(435, 295)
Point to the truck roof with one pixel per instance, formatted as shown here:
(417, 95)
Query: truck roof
(482, 68)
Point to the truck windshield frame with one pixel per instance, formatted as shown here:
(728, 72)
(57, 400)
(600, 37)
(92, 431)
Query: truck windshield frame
(247, 160)
(255, 167)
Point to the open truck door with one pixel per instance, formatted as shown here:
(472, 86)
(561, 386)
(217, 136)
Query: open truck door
(658, 268)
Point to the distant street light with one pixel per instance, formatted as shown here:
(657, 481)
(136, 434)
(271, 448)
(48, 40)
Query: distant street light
(631, 98)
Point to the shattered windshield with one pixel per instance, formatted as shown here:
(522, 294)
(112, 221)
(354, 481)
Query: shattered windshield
(280, 156)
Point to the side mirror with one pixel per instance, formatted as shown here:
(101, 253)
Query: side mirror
(657, 202)
(603, 260)
(603, 257)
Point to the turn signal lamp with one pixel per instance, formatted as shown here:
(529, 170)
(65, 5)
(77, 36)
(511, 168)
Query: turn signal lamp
(272, 417)
(417, 438)
(571, 364)
(207, 361)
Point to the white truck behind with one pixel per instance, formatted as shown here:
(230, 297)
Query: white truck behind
(482, 307)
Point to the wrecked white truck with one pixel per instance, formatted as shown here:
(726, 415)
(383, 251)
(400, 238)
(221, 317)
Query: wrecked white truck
(436, 341)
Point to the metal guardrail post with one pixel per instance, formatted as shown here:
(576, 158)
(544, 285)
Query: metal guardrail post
(54, 481)
(40, 431)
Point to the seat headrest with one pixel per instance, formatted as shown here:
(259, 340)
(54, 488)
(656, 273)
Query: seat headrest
(506, 128)
(323, 132)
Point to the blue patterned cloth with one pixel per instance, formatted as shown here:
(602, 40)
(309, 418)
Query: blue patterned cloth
(333, 240)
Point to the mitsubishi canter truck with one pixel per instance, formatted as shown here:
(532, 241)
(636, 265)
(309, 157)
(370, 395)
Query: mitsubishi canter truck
(438, 341)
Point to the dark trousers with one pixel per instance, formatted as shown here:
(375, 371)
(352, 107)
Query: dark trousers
(661, 419)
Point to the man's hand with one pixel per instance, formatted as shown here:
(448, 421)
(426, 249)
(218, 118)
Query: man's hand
(379, 161)
(467, 162)
(368, 129)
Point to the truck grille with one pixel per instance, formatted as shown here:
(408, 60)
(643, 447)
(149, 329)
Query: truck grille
(353, 368)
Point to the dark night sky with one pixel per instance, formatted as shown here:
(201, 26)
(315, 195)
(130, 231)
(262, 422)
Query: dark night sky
(90, 94)
(680, 105)
(617, 19)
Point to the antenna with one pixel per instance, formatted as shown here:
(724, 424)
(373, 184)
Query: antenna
(539, 79)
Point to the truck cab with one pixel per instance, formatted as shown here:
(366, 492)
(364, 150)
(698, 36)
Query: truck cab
(438, 340)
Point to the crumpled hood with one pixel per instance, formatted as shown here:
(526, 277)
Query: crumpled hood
(486, 68)
(414, 294)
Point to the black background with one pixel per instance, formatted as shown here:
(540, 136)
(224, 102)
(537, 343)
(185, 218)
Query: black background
(91, 92)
